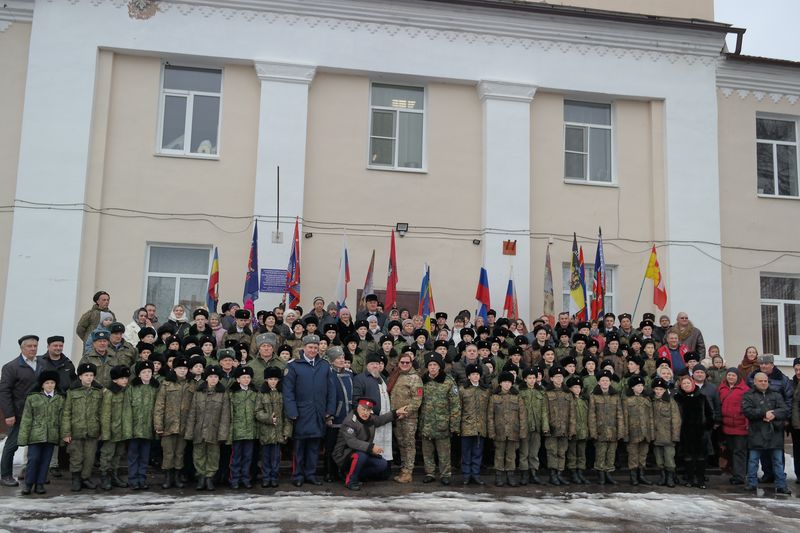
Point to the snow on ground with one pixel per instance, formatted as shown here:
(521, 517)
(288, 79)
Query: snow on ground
(435, 511)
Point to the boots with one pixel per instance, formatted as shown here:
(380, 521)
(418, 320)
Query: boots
(116, 481)
(609, 479)
(582, 479)
(573, 476)
(512, 479)
(670, 478)
(634, 477)
(105, 481)
(177, 478)
(169, 479)
(405, 477)
(201, 483)
(209, 484)
(554, 477)
(39, 489)
(601, 477)
(477, 480)
(662, 480)
(499, 478)
(26, 490)
(643, 480)
(525, 477)
(561, 478)
(700, 474)
(535, 479)
(76, 482)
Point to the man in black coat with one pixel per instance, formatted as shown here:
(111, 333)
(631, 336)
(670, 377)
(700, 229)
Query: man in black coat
(54, 359)
(18, 377)
(368, 383)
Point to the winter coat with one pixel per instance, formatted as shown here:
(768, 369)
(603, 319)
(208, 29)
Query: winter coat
(233, 335)
(272, 425)
(763, 435)
(209, 417)
(143, 401)
(344, 395)
(474, 404)
(259, 366)
(440, 413)
(778, 382)
(697, 417)
(712, 395)
(82, 412)
(606, 420)
(459, 368)
(173, 402)
(89, 320)
(678, 363)
(649, 366)
(17, 380)
(41, 418)
(747, 367)
(535, 409)
(617, 359)
(357, 435)
(365, 384)
(104, 364)
(126, 353)
(117, 417)
(716, 376)
(580, 410)
(309, 395)
(407, 391)
(243, 413)
(691, 337)
(666, 421)
(638, 414)
(796, 405)
(507, 419)
(65, 368)
(560, 414)
(733, 420)
(181, 327)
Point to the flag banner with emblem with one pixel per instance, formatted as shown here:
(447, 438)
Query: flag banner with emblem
(293, 270)
(344, 276)
(549, 300)
(599, 280)
(390, 299)
(368, 286)
(582, 276)
(482, 295)
(653, 272)
(426, 305)
(510, 306)
(577, 300)
(212, 295)
(251, 278)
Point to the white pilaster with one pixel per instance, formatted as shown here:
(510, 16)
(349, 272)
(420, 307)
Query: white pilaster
(281, 143)
(506, 186)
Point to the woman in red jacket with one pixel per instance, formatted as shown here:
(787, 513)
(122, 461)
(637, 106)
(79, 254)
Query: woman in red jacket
(734, 423)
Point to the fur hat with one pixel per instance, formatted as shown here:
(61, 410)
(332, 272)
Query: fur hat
(213, 370)
(226, 353)
(47, 375)
(472, 369)
(434, 357)
(558, 370)
(635, 380)
(606, 374)
(180, 360)
(574, 380)
(373, 358)
(86, 367)
(144, 365)
(196, 360)
(505, 375)
(272, 372)
(659, 382)
(243, 371)
(242, 314)
(120, 371)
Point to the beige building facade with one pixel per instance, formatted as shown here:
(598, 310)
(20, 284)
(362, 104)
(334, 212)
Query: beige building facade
(473, 123)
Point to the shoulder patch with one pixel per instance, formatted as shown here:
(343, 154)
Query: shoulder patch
(419, 391)
(351, 430)
(455, 390)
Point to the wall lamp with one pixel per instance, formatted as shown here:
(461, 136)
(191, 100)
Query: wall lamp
(309, 235)
(476, 242)
(401, 228)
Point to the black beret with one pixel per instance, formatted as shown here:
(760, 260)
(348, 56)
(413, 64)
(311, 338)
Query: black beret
(55, 338)
(120, 371)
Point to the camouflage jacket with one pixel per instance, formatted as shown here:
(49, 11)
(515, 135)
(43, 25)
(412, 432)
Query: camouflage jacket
(474, 405)
(638, 413)
(560, 415)
(606, 421)
(209, 417)
(173, 401)
(666, 421)
(142, 401)
(272, 425)
(243, 413)
(407, 390)
(580, 408)
(80, 418)
(116, 418)
(535, 409)
(41, 419)
(440, 413)
(507, 418)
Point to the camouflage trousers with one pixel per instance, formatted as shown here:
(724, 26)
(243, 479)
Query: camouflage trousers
(576, 454)
(405, 431)
(605, 455)
(665, 456)
(172, 448)
(111, 453)
(81, 456)
(637, 454)
(505, 452)
(556, 452)
(441, 447)
(206, 458)
(529, 451)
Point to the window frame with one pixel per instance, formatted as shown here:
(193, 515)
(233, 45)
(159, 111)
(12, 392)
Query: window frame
(611, 274)
(176, 275)
(796, 143)
(394, 167)
(781, 358)
(189, 95)
(611, 156)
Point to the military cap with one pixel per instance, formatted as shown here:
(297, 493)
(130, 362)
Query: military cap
(213, 370)
(179, 361)
(467, 331)
(558, 370)
(607, 374)
(54, 338)
(514, 350)
(242, 314)
(200, 312)
(284, 348)
(568, 360)
(584, 325)
(393, 323)
(441, 314)
(579, 337)
(157, 357)
(482, 344)
(663, 361)
(311, 320)
(145, 331)
(144, 365)
(624, 315)
(371, 298)
(659, 382)
(644, 323)
(612, 336)
(334, 352)
(47, 375)
(100, 335)
(362, 324)
(529, 372)
(420, 331)
(194, 350)
(243, 371)
(649, 316)
(226, 353)
(609, 314)
(521, 340)
(574, 380)
(691, 356)
(310, 339)
(505, 376)
(329, 326)
(472, 369)
(373, 358)
(272, 372)
(635, 359)
(196, 360)
(441, 344)
(635, 380)
(434, 357)
(267, 338)
(590, 357)
(386, 338)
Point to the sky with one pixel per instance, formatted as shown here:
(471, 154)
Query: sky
(772, 26)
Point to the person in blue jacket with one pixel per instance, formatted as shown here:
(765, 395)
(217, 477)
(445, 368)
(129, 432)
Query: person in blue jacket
(343, 377)
(309, 400)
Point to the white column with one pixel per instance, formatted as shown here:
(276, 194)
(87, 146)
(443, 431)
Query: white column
(281, 143)
(507, 186)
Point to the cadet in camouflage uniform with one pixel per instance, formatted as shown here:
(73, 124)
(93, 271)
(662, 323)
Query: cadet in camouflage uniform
(243, 398)
(207, 425)
(117, 426)
(606, 425)
(273, 426)
(638, 411)
(120, 349)
(440, 415)
(538, 422)
(507, 423)
(80, 425)
(40, 429)
(142, 393)
(239, 332)
(576, 447)
(666, 430)
(562, 424)
(173, 401)
(474, 404)
(406, 391)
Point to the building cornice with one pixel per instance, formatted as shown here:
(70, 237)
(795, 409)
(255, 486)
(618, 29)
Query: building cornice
(12, 11)
(742, 78)
(502, 90)
(286, 72)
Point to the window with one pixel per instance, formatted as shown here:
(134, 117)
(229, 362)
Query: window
(190, 105)
(587, 141)
(396, 126)
(177, 275)
(776, 156)
(780, 316)
(608, 300)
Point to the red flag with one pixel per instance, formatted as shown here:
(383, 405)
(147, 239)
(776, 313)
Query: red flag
(293, 270)
(391, 279)
(653, 272)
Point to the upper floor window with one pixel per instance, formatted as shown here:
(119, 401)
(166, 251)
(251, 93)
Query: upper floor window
(190, 105)
(397, 119)
(587, 141)
(776, 156)
(177, 275)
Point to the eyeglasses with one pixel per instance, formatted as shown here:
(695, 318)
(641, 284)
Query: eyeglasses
(405, 362)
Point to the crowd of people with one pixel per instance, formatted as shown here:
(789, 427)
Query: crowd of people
(218, 398)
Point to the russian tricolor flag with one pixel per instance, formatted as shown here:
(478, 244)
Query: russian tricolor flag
(482, 295)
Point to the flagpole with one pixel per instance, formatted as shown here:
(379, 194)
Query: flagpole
(635, 307)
